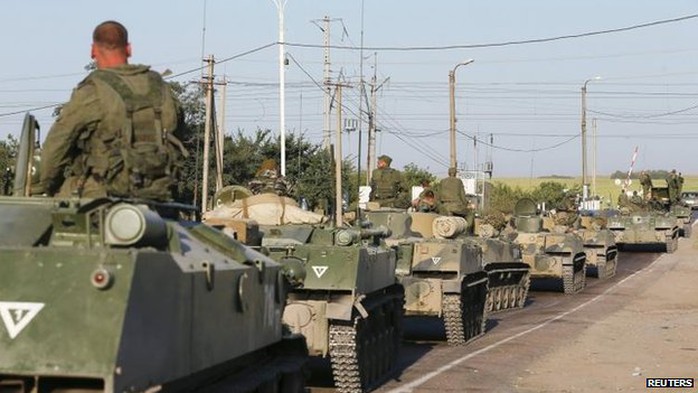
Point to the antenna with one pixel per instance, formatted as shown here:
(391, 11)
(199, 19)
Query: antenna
(203, 39)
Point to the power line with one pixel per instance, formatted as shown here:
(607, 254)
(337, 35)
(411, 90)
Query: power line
(505, 43)
(249, 52)
(38, 108)
(520, 150)
(631, 116)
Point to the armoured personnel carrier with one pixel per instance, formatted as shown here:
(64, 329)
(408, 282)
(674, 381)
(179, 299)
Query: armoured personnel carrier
(350, 305)
(598, 241)
(600, 246)
(447, 273)
(110, 295)
(551, 255)
(680, 210)
(646, 224)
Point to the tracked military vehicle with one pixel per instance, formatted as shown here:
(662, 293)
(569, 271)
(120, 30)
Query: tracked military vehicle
(680, 210)
(551, 255)
(600, 246)
(645, 228)
(647, 224)
(598, 241)
(111, 295)
(350, 305)
(447, 273)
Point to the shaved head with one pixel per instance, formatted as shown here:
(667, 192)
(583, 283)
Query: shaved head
(110, 47)
(110, 35)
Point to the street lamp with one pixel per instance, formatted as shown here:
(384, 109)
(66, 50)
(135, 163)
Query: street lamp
(452, 91)
(585, 184)
(280, 4)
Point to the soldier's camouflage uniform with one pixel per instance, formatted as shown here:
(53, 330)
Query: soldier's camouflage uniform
(387, 188)
(646, 183)
(673, 186)
(452, 197)
(269, 182)
(86, 151)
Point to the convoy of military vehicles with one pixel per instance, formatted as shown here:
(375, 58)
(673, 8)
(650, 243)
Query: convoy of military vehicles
(120, 295)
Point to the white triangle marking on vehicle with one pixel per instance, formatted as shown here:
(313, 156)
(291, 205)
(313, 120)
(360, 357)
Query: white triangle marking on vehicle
(17, 315)
(436, 260)
(319, 270)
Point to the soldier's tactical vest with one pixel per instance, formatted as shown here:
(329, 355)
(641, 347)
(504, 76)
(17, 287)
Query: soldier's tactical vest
(137, 158)
(386, 181)
(450, 192)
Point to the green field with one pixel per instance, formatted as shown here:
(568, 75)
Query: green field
(605, 187)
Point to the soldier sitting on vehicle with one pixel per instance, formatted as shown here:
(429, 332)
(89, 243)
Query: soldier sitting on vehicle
(268, 181)
(452, 198)
(636, 199)
(426, 202)
(426, 186)
(387, 187)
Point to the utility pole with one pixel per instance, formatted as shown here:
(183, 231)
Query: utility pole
(327, 84)
(338, 158)
(208, 82)
(452, 96)
(362, 94)
(373, 110)
(221, 136)
(585, 184)
(593, 157)
(371, 150)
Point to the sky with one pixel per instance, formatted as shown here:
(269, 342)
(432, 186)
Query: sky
(520, 100)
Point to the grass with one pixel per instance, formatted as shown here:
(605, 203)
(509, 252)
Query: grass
(605, 187)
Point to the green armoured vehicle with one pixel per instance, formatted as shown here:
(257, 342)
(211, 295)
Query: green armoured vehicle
(680, 210)
(111, 295)
(446, 273)
(350, 305)
(648, 223)
(551, 255)
(645, 228)
(598, 241)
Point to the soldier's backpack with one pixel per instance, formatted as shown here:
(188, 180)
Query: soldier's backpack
(142, 157)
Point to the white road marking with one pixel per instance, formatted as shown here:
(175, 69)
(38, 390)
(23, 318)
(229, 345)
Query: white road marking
(408, 388)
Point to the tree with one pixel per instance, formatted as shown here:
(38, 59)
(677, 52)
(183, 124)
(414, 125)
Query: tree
(554, 193)
(502, 198)
(8, 152)
(311, 176)
(191, 100)
(412, 175)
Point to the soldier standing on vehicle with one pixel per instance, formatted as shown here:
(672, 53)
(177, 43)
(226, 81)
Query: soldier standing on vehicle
(387, 187)
(116, 135)
(646, 183)
(623, 200)
(679, 183)
(672, 185)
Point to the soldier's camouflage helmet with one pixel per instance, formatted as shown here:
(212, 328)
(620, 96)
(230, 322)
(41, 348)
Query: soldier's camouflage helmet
(385, 158)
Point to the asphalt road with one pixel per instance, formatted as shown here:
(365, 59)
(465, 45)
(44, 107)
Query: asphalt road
(514, 339)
